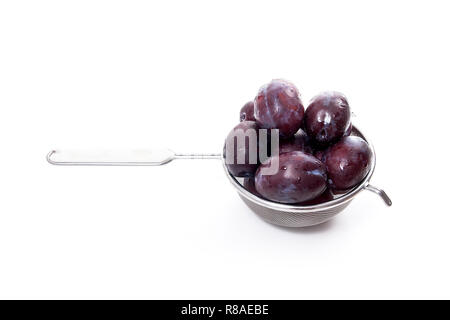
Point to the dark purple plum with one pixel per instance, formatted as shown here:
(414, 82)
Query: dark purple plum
(299, 142)
(242, 131)
(301, 177)
(348, 162)
(327, 117)
(326, 196)
(339, 192)
(249, 185)
(278, 106)
(247, 112)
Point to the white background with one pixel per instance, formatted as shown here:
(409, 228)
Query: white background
(135, 74)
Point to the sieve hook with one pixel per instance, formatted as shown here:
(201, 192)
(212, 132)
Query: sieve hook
(379, 192)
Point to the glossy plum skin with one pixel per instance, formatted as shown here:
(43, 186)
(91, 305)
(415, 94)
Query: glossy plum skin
(278, 106)
(327, 117)
(326, 196)
(247, 112)
(349, 130)
(348, 162)
(246, 169)
(299, 142)
(301, 177)
(319, 152)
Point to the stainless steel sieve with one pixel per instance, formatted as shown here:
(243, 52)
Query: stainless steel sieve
(276, 213)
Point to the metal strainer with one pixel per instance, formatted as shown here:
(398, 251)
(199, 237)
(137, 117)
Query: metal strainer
(276, 213)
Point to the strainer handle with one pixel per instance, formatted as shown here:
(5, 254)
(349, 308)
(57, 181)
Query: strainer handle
(155, 157)
(381, 193)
